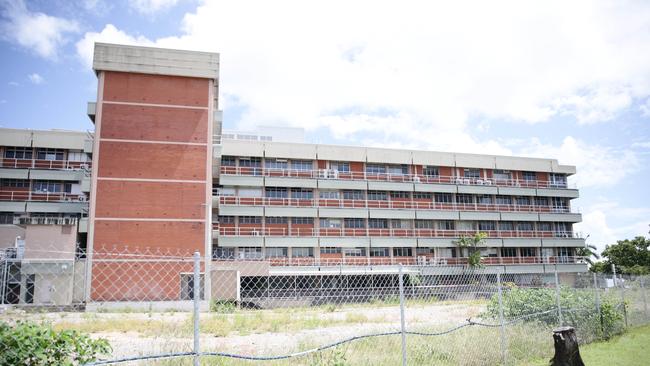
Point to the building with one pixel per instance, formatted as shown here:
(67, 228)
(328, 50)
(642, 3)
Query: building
(44, 187)
(261, 206)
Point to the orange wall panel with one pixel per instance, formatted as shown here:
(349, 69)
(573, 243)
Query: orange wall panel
(155, 89)
(130, 122)
(175, 237)
(152, 161)
(128, 199)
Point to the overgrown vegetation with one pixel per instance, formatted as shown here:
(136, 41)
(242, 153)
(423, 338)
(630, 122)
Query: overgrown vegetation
(26, 343)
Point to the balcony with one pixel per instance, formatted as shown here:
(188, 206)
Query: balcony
(24, 195)
(400, 233)
(417, 205)
(388, 177)
(44, 164)
(46, 221)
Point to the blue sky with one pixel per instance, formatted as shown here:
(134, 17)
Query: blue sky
(568, 80)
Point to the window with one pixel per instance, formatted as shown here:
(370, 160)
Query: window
(506, 225)
(486, 225)
(228, 161)
(528, 252)
(402, 252)
(354, 252)
(49, 154)
(400, 224)
(541, 201)
(504, 200)
(379, 252)
(330, 223)
(276, 164)
(225, 191)
(399, 194)
(276, 252)
(302, 194)
(226, 219)
(529, 176)
(472, 173)
(6, 218)
(377, 195)
(14, 183)
(484, 200)
(508, 252)
(250, 192)
(302, 220)
(523, 201)
(525, 226)
(250, 219)
(378, 223)
(354, 223)
(250, 252)
(423, 195)
(424, 251)
(446, 225)
(464, 198)
(277, 220)
(340, 166)
(330, 250)
(353, 195)
(276, 192)
(431, 171)
(19, 153)
(544, 226)
(424, 224)
(223, 253)
(302, 252)
(501, 174)
(375, 169)
(328, 195)
(51, 187)
(558, 180)
(398, 169)
(302, 165)
(443, 197)
(250, 162)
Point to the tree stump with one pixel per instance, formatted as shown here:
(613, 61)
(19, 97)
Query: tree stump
(566, 348)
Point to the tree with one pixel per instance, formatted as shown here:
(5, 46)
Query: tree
(629, 256)
(472, 243)
(587, 253)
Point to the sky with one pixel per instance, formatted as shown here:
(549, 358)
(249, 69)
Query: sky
(552, 79)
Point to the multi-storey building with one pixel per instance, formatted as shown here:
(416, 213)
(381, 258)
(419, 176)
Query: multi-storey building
(44, 186)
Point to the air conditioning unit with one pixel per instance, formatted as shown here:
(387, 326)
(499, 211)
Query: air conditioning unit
(81, 198)
(323, 173)
(255, 233)
(487, 182)
(334, 174)
(416, 179)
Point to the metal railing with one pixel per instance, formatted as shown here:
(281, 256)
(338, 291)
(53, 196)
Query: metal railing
(397, 204)
(44, 164)
(391, 177)
(26, 195)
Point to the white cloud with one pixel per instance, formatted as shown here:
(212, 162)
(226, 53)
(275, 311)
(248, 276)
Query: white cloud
(645, 108)
(606, 222)
(109, 34)
(13, 83)
(38, 32)
(36, 78)
(151, 6)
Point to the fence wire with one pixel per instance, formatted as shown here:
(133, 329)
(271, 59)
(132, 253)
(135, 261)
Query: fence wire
(159, 307)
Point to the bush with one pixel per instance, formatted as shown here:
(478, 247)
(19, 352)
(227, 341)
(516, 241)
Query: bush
(32, 344)
(578, 309)
(223, 306)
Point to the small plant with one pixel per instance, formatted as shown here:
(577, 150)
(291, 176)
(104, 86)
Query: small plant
(26, 343)
(472, 243)
(223, 306)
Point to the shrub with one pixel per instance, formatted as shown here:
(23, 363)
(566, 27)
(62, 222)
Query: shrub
(223, 306)
(26, 343)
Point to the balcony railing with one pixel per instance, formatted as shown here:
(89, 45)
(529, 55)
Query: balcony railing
(407, 261)
(418, 205)
(45, 221)
(390, 177)
(404, 233)
(42, 196)
(44, 164)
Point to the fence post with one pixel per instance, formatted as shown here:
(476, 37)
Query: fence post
(622, 294)
(645, 302)
(197, 297)
(401, 309)
(501, 321)
(557, 298)
(597, 299)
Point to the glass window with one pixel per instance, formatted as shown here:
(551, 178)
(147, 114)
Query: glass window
(402, 252)
(354, 252)
(47, 186)
(400, 224)
(14, 183)
(375, 168)
(19, 153)
(464, 198)
(302, 193)
(377, 195)
(276, 192)
(277, 220)
(302, 252)
(422, 195)
(379, 252)
(541, 201)
(525, 226)
(328, 195)
(302, 220)
(431, 171)
(353, 195)
(49, 154)
(228, 161)
(443, 197)
(354, 223)
(226, 219)
(504, 200)
(424, 251)
(250, 252)
(544, 226)
(558, 180)
(302, 165)
(250, 219)
(424, 224)
(276, 164)
(398, 169)
(378, 223)
(529, 176)
(501, 174)
(341, 166)
(223, 253)
(528, 252)
(272, 252)
(446, 225)
(506, 225)
(399, 194)
(508, 252)
(486, 225)
(326, 223)
(250, 162)
(330, 250)
(484, 200)
(6, 218)
(523, 201)
(472, 173)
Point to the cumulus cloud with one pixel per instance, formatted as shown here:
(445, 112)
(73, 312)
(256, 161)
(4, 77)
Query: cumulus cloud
(43, 34)
(151, 6)
(605, 228)
(35, 78)
(110, 34)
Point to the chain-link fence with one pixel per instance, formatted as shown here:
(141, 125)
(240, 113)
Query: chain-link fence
(162, 308)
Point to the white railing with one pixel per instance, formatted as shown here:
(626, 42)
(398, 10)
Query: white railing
(44, 164)
(45, 221)
(26, 195)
